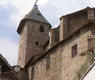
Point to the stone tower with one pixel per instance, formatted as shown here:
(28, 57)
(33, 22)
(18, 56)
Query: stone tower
(34, 35)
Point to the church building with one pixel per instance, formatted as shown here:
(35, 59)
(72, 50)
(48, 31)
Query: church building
(46, 53)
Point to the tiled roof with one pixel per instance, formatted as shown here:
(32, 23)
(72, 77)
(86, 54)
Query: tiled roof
(36, 15)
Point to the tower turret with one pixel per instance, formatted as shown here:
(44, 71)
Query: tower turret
(34, 34)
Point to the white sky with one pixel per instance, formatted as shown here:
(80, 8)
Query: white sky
(90, 75)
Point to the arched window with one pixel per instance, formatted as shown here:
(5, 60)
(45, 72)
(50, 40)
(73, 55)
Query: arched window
(41, 28)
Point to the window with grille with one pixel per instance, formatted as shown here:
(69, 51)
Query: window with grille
(74, 50)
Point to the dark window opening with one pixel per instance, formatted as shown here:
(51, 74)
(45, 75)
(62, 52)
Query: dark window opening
(47, 62)
(36, 43)
(41, 28)
(74, 50)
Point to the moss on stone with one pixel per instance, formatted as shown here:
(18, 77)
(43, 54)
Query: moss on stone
(90, 58)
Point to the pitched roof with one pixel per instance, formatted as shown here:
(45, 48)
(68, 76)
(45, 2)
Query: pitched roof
(7, 69)
(34, 15)
(4, 63)
(77, 12)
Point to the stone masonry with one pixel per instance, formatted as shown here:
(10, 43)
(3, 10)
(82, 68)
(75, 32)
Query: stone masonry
(33, 36)
(45, 53)
(64, 55)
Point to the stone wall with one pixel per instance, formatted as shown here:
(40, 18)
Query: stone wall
(71, 23)
(3, 78)
(91, 14)
(48, 68)
(54, 36)
(22, 75)
(32, 41)
(36, 39)
(8, 76)
(22, 46)
(62, 65)
(70, 65)
(57, 63)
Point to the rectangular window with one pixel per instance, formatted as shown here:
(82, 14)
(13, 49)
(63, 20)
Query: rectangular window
(74, 50)
(47, 62)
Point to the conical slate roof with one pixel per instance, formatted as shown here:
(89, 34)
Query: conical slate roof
(34, 15)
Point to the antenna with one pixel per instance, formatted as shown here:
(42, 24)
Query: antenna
(36, 1)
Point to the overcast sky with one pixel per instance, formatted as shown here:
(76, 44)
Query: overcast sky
(12, 11)
(91, 74)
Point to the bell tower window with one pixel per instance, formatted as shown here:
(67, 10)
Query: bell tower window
(41, 28)
(36, 43)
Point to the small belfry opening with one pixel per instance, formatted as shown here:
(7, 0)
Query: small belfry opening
(34, 37)
(37, 43)
(41, 28)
